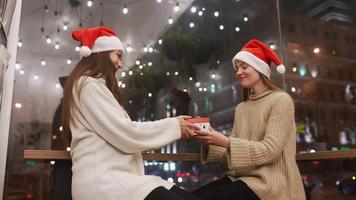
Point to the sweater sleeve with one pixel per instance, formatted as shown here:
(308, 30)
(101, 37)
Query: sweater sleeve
(101, 110)
(245, 154)
(215, 154)
(212, 154)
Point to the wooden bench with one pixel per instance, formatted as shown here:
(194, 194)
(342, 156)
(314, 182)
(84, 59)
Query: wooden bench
(191, 157)
(63, 174)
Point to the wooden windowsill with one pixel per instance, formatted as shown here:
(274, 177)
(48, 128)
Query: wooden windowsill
(191, 157)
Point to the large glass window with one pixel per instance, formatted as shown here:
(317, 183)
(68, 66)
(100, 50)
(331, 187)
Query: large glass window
(190, 50)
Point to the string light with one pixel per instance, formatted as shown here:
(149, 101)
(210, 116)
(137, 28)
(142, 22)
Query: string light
(190, 78)
(176, 8)
(125, 10)
(58, 85)
(221, 27)
(316, 50)
(170, 20)
(245, 19)
(145, 49)
(176, 73)
(216, 14)
(150, 49)
(140, 67)
(68, 149)
(48, 40)
(65, 27)
(19, 43)
(43, 63)
(168, 73)
(128, 48)
(18, 105)
(123, 74)
(69, 61)
(56, 46)
(200, 13)
(237, 29)
(160, 41)
(159, 1)
(293, 89)
(138, 62)
(149, 63)
(150, 94)
(193, 9)
(22, 72)
(35, 77)
(130, 72)
(191, 25)
(90, 3)
(53, 162)
(272, 46)
(77, 48)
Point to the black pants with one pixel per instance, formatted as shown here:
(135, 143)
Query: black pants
(175, 193)
(225, 189)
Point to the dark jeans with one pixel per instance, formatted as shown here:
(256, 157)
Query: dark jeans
(225, 189)
(175, 193)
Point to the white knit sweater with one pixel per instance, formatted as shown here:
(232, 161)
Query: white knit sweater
(107, 145)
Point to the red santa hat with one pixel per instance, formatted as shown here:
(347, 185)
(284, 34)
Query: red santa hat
(97, 39)
(256, 54)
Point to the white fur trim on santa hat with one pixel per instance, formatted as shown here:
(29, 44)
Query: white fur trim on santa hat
(281, 69)
(107, 43)
(84, 51)
(253, 61)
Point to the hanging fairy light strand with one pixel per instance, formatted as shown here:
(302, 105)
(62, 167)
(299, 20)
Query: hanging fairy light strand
(125, 10)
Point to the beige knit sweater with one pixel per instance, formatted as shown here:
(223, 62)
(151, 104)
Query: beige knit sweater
(263, 147)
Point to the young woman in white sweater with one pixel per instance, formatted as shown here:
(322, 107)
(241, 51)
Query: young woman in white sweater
(260, 152)
(106, 144)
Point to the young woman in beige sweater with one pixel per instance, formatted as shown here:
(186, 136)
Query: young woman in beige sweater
(260, 151)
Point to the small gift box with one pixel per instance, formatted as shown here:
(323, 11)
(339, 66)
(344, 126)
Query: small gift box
(202, 122)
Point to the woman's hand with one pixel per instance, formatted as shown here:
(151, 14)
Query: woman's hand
(212, 137)
(187, 129)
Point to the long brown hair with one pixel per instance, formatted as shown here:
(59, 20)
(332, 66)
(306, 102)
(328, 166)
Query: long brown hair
(247, 92)
(97, 65)
(269, 83)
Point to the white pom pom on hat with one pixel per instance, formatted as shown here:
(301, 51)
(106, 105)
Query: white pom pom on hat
(256, 54)
(84, 51)
(97, 39)
(281, 69)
